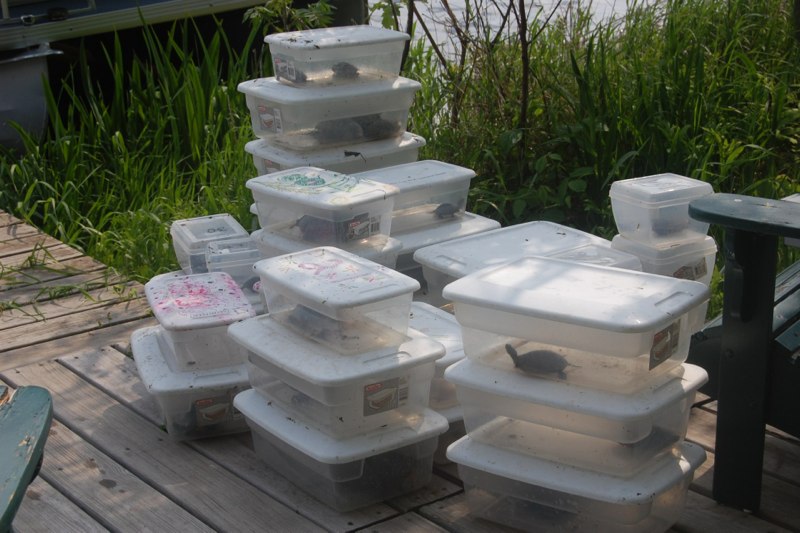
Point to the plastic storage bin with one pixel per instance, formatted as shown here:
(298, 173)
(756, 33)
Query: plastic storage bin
(429, 192)
(465, 225)
(334, 56)
(692, 260)
(343, 473)
(340, 300)
(328, 116)
(322, 207)
(447, 261)
(194, 404)
(661, 408)
(195, 310)
(535, 495)
(655, 209)
(379, 249)
(191, 236)
(349, 159)
(236, 257)
(578, 323)
(442, 327)
(369, 384)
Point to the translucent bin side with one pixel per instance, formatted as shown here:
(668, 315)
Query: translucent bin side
(602, 368)
(395, 402)
(201, 349)
(693, 260)
(383, 63)
(191, 236)
(379, 249)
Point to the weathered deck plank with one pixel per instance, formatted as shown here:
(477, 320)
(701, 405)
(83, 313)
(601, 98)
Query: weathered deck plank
(208, 491)
(45, 509)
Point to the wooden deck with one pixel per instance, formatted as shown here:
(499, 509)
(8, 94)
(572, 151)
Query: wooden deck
(65, 324)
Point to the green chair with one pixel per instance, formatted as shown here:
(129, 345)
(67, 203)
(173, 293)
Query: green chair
(25, 417)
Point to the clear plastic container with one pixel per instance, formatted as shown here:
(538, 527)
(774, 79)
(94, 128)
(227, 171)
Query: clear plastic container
(521, 491)
(487, 393)
(447, 261)
(692, 260)
(442, 327)
(589, 325)
(337, 299)
(236, 257)
(344, 473)
(348, 159)
(191, 236)
(331, 116)
(336, 56)
(356, 382)
(378, 248)
(429, 192)
(655, 209)
(322, 207)
(194, 404)
(194, 311)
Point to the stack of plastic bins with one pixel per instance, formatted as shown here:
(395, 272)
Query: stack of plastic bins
(191, 237)
(187, 362)
(307, 207)
(652, 217)
(442, 327)
(575, 394)
(336, 101)
(429, 207)
(340, 382)
(450, 260)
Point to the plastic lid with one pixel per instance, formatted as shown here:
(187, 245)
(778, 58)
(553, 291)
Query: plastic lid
(601, 254)
(159, 378)
(326, 448)
(338, 37)
(273, 90)
(660, 188)
(611, 299)
(323, 156)
(182, 302)
(669, 251)
(460, 257)
(622, 407)
(640, 489)
(320, 188)
(419, 175)
(197, 232)
(302, 357)
(333, 278)
(440, 326)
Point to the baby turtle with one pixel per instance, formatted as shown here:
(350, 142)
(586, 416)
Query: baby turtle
(446, 210)
(315, 229)
(539, 362)
(338, 131)
(375, 127)
(344, 70)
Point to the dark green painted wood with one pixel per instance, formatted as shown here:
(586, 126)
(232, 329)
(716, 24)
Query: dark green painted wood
(24, 424)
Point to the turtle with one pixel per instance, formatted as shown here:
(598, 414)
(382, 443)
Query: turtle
(446, 210)
(344, 70)
(539, 362)
(337, 131)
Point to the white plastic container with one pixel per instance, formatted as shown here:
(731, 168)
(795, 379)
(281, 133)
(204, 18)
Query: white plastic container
(447, 261)
(447, 230)
(348, 159)
(601, 254)
(366, 387)
(429, 192)
(322, 207)
(236, 257)
(328, 116)
(344, 473)
(336, 56)
(692, 260)
(578, 323)
(487, 393)
(191, 236)
(195, 310)
(194, 404)
(378, 248)
(343, 302)
(536, 495)
(442, 327)
(655, 209)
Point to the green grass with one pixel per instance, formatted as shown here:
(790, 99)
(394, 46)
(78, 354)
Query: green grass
(702, 88)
